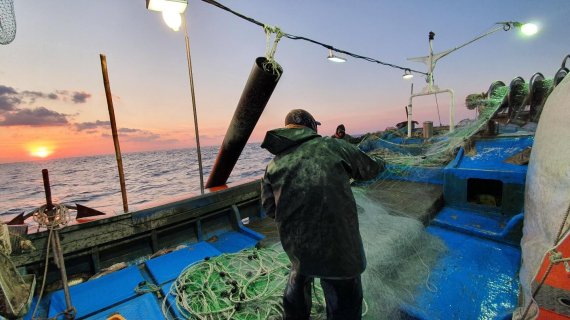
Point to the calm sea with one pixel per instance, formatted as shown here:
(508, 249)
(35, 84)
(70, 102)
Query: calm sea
(94, 181)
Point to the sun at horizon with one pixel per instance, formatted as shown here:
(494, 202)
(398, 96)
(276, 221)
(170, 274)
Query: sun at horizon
(40, 151)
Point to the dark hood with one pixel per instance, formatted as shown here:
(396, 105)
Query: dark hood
(278, 140)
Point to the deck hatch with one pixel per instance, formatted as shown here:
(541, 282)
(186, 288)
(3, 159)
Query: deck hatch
(486, 192)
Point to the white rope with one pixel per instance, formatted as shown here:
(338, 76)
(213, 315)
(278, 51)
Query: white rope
(271, 64)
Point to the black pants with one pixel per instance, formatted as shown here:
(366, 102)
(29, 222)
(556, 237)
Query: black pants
(343, 297)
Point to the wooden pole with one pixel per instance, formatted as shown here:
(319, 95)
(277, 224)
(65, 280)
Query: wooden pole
(114, 130)
(196, 131)
(56, 247)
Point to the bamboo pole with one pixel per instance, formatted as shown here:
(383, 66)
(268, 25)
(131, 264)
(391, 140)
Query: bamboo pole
(114, 130)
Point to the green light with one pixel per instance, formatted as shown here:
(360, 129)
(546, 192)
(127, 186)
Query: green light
(529, 29)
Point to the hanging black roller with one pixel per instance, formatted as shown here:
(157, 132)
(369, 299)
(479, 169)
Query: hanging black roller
(493, 91)
(254, 98)
(562, 72)
(494, 87)
(536, 95)
(516, 96)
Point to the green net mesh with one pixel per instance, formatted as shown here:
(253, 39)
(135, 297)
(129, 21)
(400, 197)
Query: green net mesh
(7, 21)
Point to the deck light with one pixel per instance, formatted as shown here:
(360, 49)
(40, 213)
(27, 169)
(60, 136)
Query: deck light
(407, 74)
(171, 11)
(529, 29)
(334, 58)
(178, 6)
(172, 19)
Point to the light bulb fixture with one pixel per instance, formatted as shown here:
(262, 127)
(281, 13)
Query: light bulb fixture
(171, 11)
(529, 29)
(334, 58)
(172, 19)
(178, 6)
(408, 74)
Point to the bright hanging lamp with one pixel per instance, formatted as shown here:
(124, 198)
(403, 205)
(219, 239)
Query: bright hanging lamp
(178, 6)
(334, 58)
(408, 74)
(529, 29)
(171, 11)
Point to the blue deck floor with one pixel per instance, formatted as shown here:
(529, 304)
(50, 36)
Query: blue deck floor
(115, 293)
(476, 279)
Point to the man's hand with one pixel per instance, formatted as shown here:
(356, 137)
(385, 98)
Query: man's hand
(379, 160)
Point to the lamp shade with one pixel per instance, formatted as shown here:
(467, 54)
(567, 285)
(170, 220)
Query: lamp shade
(178, 6)
(407, 74)
(334, 58)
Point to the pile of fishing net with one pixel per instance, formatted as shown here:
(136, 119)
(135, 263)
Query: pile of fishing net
(437, 151)
(250, 284)
(400, 255)
(244, 285)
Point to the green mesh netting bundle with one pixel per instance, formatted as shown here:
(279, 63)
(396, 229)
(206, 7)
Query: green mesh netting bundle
(7, 21)
(400, 255)
(244, 285)
(439, 150)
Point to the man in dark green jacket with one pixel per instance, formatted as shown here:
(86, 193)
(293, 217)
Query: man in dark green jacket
(340, 133)
(306, 189)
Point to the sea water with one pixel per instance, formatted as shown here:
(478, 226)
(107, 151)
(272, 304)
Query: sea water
(94, 181)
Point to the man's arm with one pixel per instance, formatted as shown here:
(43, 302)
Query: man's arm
(267, 197)
(365, 167)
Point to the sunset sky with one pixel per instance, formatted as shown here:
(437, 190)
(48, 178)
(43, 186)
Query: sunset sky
(52, 94)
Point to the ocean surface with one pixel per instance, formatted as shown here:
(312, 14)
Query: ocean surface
(94, 181)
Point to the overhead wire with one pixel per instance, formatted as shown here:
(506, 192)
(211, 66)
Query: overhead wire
(327, 46)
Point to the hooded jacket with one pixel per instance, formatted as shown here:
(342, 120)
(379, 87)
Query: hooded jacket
(306, 188)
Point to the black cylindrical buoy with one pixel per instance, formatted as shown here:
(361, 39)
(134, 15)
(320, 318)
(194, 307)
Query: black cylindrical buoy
(254, 98)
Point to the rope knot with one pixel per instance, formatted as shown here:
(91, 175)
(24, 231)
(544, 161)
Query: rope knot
(557, 257)
(272, 65)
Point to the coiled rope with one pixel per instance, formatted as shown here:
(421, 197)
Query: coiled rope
(244, 285)
(52, 219)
